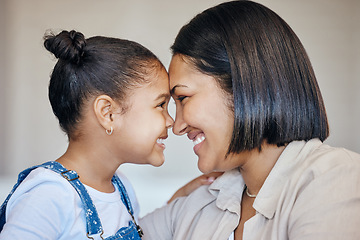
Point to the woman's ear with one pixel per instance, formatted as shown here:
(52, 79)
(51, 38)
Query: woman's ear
(104, 108)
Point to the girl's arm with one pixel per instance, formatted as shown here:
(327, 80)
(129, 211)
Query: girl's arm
(205, 179)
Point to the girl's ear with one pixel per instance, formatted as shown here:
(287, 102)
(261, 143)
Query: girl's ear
(104, 108)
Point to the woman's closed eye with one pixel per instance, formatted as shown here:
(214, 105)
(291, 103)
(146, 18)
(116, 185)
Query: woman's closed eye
(181, 98)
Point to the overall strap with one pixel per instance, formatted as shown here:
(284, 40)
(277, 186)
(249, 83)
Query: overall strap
(93, 223)
(126, 200)
(124, 196)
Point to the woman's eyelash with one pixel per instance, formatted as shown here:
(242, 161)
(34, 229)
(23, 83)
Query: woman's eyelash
(181, 98)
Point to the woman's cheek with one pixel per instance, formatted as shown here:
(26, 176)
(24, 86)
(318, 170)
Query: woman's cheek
(188, 113)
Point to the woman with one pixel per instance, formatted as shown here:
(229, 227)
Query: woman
(246, 94)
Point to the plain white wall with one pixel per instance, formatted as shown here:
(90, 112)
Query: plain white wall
(2, 85)
(29, 133)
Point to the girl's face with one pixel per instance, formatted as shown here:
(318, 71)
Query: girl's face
(143, 127)
(203, 114)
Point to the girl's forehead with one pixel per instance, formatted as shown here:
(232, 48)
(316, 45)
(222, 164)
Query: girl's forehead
(158, 82)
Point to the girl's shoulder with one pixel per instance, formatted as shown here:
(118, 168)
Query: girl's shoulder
(41, 186)
(44, 179)
(44, 202)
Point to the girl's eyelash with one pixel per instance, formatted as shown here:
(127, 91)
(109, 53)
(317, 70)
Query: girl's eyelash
(161, 104)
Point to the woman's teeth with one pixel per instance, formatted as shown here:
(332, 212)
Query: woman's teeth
(199, 139)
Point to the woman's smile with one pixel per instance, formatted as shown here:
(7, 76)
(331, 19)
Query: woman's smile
(198, 139)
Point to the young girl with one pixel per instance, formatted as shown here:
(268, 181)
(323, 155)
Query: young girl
(110, 97)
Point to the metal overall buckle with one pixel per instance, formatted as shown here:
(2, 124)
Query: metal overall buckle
(102, 232)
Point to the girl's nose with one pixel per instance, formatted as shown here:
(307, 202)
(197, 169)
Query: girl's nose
(169, 120)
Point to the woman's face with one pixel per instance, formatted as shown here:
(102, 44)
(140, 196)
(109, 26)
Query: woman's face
(203, 114)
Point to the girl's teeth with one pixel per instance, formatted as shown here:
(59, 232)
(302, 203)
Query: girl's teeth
(160, 140)
(199, 139)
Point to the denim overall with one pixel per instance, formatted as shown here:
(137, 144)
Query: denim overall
(93, 223)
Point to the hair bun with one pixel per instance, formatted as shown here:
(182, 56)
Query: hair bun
(67, 46)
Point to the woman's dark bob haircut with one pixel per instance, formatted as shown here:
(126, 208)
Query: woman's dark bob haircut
(259, 61)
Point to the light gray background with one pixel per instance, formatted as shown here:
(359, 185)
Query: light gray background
(29, 133)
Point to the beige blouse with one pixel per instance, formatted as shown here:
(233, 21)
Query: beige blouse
(312, 193)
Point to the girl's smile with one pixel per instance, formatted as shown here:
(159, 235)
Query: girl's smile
(160, 141)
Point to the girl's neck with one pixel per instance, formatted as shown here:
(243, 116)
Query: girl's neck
(259, 165)
(94, 168)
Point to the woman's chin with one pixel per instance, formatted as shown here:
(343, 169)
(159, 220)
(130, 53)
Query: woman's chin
(205, 167)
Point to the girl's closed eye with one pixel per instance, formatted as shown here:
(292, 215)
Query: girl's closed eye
(162, 104)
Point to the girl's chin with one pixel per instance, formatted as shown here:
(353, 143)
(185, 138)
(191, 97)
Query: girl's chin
(157, 164)
(158, 161)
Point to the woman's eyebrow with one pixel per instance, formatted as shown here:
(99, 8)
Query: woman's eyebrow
(172, 91)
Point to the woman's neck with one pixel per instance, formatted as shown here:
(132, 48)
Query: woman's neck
(258, 166)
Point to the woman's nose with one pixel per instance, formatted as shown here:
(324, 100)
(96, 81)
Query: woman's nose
(180, 125)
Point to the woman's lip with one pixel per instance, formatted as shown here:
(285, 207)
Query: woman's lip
(197, 147)
(192, 135)
(198, 140)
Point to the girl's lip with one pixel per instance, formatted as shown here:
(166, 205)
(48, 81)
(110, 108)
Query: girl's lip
(160, 141)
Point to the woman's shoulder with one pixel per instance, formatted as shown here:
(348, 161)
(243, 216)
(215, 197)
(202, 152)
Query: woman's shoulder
(323, 192)
(325, 170)
(317, 158)
(326, 158)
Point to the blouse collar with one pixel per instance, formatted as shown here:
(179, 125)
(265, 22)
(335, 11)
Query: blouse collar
(229, 187)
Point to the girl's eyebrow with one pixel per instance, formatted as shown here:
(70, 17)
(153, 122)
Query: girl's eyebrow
(172, 91)
(163, 95)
